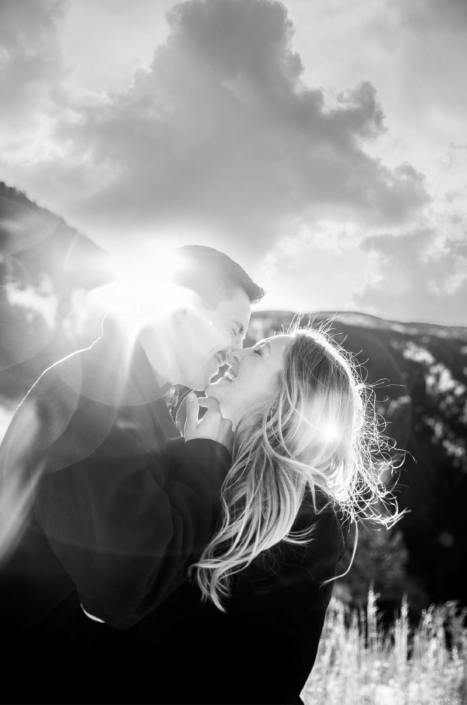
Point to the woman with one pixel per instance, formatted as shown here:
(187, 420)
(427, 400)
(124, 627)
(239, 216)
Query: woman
(245, 627)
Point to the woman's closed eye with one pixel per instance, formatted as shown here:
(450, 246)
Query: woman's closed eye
(258, 351)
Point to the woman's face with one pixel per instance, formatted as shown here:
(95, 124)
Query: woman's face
(252, 377)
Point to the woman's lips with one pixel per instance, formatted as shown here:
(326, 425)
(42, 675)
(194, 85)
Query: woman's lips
(228, 378)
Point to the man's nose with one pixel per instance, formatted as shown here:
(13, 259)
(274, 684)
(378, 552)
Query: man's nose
(236, 345)
(236, 355)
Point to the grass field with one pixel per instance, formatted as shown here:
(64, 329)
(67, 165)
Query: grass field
(360, 664)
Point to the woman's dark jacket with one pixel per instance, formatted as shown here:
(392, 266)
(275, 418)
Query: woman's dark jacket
(263, 648)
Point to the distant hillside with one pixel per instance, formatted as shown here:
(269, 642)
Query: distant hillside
(43, 263)
(44, 244)
(366, 320)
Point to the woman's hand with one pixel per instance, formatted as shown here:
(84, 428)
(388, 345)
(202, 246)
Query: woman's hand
(212, 426)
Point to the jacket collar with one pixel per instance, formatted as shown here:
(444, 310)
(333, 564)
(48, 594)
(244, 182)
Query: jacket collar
(121, 356)
(139, 384)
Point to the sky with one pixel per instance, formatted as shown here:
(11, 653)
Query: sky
(320, 143)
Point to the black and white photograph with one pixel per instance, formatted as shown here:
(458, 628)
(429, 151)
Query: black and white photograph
(233, 352)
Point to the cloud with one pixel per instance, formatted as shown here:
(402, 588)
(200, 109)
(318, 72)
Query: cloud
(222, 131)
(31, 62)
(417, 272)
(450, 15)
(428, 42)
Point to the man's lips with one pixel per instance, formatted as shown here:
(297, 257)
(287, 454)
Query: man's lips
(228, 377)
(218, 362)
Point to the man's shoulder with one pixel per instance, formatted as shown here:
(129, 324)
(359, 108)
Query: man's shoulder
(97, 400)
(90, 373)
(51, 404)
(64, 375)
(57, 393)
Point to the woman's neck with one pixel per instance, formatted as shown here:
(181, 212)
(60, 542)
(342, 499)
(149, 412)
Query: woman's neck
(241, 417)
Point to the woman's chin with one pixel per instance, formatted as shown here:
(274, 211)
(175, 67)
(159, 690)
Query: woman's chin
(216, 391)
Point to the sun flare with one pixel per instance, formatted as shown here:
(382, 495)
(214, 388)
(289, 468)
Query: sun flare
(143, 269)
(140, 280)
(330, 432)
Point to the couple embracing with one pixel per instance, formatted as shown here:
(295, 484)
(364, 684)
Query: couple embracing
(166, 567)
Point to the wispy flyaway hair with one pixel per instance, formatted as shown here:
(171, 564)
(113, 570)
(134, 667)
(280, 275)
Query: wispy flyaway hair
(319, 431)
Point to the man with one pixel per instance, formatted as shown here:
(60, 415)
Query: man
(108, 534)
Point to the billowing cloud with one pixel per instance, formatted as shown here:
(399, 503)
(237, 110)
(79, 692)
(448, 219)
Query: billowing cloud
(221, 130)
(416, 272)
(451, 15)
(431, 40)
(31, 66)
(225, 131)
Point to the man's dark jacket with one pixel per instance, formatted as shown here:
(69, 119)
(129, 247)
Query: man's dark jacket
(105, 527)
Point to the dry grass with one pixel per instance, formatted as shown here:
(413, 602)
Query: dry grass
(360, 664)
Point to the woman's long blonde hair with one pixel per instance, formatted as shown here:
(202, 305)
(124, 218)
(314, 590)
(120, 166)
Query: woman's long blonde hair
(319, 431)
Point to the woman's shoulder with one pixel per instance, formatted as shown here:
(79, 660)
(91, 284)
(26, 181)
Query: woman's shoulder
(315, 558)
(321, 517)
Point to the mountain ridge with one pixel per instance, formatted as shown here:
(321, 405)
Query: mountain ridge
(369, 320)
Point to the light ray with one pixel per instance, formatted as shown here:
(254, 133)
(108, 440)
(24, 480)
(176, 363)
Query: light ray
(145, 269)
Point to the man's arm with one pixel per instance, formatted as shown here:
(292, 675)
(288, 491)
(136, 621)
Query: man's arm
(125, 532)
(122, 519)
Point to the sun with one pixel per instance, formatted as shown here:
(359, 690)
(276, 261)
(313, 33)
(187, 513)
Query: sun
(140, 282)
(142, 269)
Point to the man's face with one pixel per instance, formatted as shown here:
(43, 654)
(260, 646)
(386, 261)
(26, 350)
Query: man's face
(208, 337)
